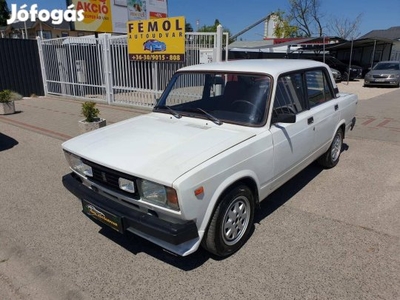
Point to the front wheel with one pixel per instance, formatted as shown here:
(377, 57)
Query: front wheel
(331, 157)
(231, 223)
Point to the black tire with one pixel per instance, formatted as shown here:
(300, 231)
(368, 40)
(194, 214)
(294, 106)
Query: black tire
(331, 157)
(231, 223)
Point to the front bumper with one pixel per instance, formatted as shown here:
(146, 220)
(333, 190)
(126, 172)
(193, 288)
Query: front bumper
(143, 224)
(386, 82)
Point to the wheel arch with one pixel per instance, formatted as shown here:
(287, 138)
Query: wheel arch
(342, 126)
(246, 178)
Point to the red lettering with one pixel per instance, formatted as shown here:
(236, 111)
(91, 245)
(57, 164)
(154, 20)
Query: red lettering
(87, 7)
(91, 7)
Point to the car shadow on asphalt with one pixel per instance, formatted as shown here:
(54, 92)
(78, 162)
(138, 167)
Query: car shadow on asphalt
(136, 244)
(286, 191)
(289, 189)
(6, 142)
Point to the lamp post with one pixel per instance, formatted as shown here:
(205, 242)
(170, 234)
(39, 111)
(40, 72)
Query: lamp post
(26, 31)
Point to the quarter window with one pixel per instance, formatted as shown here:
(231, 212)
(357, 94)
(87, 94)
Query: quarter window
(318, 90)
(289, 95)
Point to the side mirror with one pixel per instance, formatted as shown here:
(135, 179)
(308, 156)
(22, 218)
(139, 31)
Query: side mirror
(284, 118)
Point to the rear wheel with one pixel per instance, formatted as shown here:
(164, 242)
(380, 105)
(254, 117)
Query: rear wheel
(331, 157)
(231, 223)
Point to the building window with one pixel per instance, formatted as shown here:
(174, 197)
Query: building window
(64, 33)
(45, 33)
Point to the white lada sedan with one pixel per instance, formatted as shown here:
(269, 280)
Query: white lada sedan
(222, 137)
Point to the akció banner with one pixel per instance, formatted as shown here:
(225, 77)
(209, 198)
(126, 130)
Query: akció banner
(111, 16)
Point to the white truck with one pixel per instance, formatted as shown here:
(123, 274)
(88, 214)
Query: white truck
(222, 137)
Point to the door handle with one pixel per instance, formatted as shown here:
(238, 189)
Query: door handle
(336, 106)
(310, 120)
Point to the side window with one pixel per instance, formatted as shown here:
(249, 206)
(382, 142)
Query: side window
(318, 90)
(289, 95)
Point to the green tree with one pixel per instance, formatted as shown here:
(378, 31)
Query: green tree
(283, 29)
(4, 12)
(210, 28)
(188, 27)
(213, 28)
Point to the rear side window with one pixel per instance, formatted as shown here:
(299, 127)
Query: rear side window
(318, 89)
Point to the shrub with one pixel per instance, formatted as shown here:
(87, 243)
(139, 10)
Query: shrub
(8, 96)
(90, 111)
(5, 96)
(15, 96)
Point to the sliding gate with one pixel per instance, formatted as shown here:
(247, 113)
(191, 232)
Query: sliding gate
(98, 68)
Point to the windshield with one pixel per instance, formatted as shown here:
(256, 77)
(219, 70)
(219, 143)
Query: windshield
(387, 66)
(219, 97)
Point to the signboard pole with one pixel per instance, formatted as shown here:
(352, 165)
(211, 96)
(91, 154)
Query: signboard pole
(218, 57)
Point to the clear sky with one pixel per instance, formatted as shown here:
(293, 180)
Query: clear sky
(237, 15)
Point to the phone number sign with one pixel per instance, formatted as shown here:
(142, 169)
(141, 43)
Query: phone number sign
(157, 40)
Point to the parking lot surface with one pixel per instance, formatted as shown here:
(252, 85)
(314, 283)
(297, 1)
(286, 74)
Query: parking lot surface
(326, 234)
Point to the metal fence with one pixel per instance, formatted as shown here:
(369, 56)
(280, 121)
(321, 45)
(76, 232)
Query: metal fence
(19, 67)
(100, 69)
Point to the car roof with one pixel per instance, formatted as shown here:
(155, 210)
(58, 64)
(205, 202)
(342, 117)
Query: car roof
(389, 62)
(267, 66)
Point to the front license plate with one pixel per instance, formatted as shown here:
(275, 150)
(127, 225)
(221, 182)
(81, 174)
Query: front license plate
(103, 216)
(379, 80)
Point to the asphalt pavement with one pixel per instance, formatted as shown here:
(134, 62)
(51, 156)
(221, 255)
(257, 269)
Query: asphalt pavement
(326, 234)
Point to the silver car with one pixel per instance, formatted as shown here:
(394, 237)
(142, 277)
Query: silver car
(384, 73)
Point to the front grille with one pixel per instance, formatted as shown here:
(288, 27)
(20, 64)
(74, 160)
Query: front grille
(381, 76)
(108, 178)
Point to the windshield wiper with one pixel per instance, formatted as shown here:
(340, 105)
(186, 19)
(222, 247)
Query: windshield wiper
(173, 112)
(210, 116)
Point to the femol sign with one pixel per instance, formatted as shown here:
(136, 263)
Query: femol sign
(157, 39)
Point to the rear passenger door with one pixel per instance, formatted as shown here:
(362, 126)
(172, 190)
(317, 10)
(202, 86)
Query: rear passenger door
(293, 142)
(323, 106)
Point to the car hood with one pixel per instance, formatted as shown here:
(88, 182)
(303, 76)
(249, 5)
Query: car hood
(386, 72)
(156, 146)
